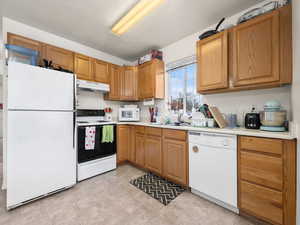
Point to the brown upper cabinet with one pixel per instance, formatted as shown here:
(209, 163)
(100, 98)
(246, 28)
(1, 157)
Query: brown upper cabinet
(212, 54)
(129, 83)
(83, 67)
(115, 78)
(256, 51)
(254, 54)
(59, 57)
(100, 71)
(15, 39)
(123, 83)
(151, 80)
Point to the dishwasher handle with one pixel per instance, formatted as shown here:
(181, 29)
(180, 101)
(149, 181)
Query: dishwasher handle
(207, 134)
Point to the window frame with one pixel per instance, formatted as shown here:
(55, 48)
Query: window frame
(184, 110)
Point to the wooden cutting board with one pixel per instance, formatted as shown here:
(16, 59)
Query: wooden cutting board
(218, 116)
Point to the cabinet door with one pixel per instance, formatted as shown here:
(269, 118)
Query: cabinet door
(159, 84)
(131, 152)
(256, 51)
(264, 203)
(140, 150)
(146, 82)
(261, 169)
(59, 57)
(129, 83)
(115, 82)
(212, 56)
(153, 154)
(123, 143)
(100, 71)
(14, 39)
(83, 66)
(175, 160)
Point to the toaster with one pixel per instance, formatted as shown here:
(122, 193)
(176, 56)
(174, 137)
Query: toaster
(252, 120)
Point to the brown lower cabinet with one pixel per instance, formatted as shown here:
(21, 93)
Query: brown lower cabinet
(161, 151)
(123, 143)
(153, 150)
(131, 150)
(175, 160)
(267, 179)
(140, 149)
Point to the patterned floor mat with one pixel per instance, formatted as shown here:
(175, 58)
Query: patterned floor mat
(158, 188)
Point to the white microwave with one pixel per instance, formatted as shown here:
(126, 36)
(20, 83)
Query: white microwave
(129, 114)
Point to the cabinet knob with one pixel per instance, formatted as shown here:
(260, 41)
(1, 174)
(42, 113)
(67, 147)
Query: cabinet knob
(195, 149)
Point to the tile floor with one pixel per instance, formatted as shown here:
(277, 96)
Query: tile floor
(109, 199)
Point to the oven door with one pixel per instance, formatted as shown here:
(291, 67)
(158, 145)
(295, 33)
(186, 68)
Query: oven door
(101, 149)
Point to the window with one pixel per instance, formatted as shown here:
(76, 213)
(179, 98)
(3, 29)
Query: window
(182, 89)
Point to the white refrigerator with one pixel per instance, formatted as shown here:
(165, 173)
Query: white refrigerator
(40, 132)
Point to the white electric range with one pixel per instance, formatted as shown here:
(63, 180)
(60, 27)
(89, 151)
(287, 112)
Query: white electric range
(94, 156)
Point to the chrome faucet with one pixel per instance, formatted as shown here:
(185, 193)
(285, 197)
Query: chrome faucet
(179, 117)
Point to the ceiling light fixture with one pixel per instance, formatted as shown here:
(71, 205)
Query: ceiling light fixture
(140, 10)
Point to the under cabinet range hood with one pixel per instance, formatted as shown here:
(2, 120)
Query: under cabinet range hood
(92, 86)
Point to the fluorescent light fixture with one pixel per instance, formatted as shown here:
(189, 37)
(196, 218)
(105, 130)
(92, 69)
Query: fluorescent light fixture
(140, 10)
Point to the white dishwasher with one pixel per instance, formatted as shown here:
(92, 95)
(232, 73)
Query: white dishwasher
(213, 167)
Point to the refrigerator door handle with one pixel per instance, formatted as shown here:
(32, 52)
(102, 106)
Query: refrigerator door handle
(74, 128)
(74, 107)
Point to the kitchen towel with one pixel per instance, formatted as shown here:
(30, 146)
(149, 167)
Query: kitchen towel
(90, 133)
(107, 134)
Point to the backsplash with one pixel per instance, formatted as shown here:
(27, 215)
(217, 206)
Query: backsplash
(95, 100)
(235, 102)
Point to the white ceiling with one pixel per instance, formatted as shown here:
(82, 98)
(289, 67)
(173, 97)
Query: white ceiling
(89, 21)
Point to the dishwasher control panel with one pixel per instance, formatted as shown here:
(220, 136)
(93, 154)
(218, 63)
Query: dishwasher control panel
(213, 140)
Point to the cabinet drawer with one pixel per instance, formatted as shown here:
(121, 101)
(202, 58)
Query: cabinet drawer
(153, 131)
(261, 202)
(140, 129)
(174, 134)
(266, 145)
(261, 169)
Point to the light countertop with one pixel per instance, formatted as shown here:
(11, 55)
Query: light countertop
(235, 131)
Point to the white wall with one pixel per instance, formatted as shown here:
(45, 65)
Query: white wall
(235, 102)
(241, 103)
(296, 89)
(187, 46)
(15, 27)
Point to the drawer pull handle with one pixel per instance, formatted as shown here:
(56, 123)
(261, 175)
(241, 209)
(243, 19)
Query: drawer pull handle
(195, 149)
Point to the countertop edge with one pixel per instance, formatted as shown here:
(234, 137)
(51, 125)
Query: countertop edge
(234, 131)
